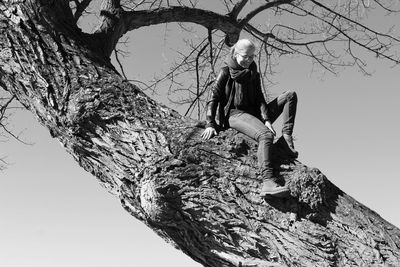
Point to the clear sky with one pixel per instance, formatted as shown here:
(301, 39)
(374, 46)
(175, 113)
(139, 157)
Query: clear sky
(53, 213)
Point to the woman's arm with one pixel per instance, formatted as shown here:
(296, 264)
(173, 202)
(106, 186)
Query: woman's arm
(217, 93)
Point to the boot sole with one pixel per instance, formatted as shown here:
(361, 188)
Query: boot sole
(279, 194)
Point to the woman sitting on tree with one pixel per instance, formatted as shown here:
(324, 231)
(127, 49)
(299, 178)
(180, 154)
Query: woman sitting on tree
(242, 106)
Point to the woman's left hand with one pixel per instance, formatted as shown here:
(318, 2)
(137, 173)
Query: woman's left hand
(269, 126)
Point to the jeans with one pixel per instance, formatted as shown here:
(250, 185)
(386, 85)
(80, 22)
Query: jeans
(253, 127)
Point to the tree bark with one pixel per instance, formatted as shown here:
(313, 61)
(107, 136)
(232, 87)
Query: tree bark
(201, 196)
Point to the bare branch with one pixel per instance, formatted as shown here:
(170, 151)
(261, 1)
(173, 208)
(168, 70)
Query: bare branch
(136, 19)
(211, 50)
(170, 74)
(117, 22)
(388, 9)
(354, 22)
(319, 60)
(197, 99)
(198, 77)
(377, 50)
(4, 116)
(4, 107)
(3, 163)
(116, 52)
(272, 36)
(259, 9)
(237, 8)
(263, 37)
(15, 136)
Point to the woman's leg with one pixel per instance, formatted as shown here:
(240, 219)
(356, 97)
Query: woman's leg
(285, 103)
(255, 129)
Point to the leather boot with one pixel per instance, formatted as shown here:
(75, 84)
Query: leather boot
(271, 188)
(289, 140)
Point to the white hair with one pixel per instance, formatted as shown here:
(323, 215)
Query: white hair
(242, 45)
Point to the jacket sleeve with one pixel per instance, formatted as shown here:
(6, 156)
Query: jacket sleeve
(217, 95)
(262, 102)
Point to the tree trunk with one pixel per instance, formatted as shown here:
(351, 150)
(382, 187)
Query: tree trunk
(201, 196)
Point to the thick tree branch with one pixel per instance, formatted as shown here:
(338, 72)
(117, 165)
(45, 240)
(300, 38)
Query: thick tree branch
(237, 8)
(119, 22)
(201, 196)
(208, 19)
(80, 8)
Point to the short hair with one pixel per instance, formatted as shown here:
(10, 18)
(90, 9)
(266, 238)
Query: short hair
(241, 45)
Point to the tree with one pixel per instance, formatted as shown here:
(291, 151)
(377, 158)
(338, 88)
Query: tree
(202, 197)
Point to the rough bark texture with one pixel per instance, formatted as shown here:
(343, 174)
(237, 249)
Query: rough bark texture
(202, 197)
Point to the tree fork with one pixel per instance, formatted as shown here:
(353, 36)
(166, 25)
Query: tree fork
(202, 197)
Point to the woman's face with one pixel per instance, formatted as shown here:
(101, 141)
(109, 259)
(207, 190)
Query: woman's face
(245, 57)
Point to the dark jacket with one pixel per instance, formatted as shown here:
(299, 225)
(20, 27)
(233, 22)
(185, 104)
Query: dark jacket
(220, 98)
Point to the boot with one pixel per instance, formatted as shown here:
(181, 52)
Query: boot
(289, 140)
(271, 188)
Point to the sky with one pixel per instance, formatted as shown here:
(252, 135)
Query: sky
(53, 213)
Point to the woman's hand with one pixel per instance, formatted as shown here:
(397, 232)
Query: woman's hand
(269, 126)
(208, 133)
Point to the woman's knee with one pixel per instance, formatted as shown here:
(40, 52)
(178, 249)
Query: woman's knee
(291, 95)
(265, 135)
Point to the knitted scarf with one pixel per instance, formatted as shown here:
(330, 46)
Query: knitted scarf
(243, 79)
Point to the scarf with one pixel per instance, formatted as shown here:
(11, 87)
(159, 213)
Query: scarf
(243, 82)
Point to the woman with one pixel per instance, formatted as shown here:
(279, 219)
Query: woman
(242, 107)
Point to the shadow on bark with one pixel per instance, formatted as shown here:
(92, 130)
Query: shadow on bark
(312, 197)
